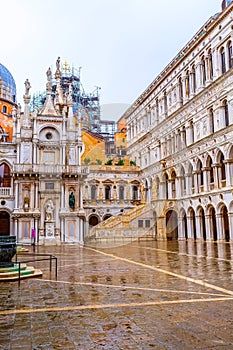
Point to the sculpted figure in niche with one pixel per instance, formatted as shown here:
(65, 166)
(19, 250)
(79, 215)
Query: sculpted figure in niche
(49, 208)
(71, 200)
(26, 203)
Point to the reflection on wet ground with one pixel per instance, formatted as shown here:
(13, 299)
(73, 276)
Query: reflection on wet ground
(142, 295)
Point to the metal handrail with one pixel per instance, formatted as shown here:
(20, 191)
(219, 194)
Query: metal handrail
(50, 257)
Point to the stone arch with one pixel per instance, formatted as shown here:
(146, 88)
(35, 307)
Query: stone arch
(93, 220)
(212, 223)
(5, 174)
(173, 183)
(106, 216)
(4, 223)
(223, 221)
(165, 185)
(201, 221)
(171, 224)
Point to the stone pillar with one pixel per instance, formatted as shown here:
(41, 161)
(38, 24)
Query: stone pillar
(228, 164)
(181, 228)
(198, 227)
(80, 195)
(36, 195)
(16, 194)
(190, 226)
(196, 187)
(230, 216)
(209, 228)
(220, 226)
(16, 233)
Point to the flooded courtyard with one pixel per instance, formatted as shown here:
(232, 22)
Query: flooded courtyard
(141, 295)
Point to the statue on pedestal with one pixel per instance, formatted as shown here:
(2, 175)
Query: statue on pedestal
(49, 208)
(72, 200)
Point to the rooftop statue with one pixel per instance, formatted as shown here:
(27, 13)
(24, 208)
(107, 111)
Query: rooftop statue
(49, 75)
(27, 86)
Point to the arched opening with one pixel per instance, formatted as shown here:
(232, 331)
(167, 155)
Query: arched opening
(4, 223)
(184, 226)
(192, 217)
(93, 220)
(166, 185)
(200, 176)
(210, 170)
(202, 223)
(213, 226)
(107, 216)
(107, 193)
(230, 54)
(173, 184)
(171, 225)
(225, 221)
(5, 175)
(210, 64)
(93, 192)
(182, 182)
(223, 60)
(211, 120)
(121, 193)
(226, 112)
(135, 193)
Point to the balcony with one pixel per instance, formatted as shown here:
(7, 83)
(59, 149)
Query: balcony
(50, 169)
(5, 192)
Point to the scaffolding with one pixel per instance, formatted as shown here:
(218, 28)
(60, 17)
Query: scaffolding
(83, 102)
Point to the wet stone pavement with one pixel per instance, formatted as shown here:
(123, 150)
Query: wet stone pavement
(142, 295)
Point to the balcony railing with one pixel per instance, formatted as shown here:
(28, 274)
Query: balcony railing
(5, 191)
(50, 169)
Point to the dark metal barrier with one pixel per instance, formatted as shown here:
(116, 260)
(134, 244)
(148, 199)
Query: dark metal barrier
(47, 257)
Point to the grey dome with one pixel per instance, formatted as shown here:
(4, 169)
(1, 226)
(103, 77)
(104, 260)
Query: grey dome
(7, 85)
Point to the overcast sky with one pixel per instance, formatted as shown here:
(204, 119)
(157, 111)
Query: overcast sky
(121, 45)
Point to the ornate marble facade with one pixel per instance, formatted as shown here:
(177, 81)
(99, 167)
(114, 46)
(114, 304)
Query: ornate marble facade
(180, 132)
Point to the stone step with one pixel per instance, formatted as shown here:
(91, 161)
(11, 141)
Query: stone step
(27, 272)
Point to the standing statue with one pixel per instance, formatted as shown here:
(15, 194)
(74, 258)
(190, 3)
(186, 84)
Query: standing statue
(71, 200)
(49, 75)
(58, 63)
(49, 208)
(27, 86)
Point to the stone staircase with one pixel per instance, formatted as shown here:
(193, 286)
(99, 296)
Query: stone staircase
(12, 273)
(123, 227)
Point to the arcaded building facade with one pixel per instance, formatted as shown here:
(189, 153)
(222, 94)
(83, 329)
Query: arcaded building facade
(180, 132)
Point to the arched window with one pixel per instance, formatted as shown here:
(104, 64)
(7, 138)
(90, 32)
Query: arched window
(193, 72)
(93, 192)
(230, 57)
(180, 90)
(107, 192)
(223, 60)
(210, 64)
(187, 84)
(135, 193)
(223, 170)
(203, 70)
(121, 193)
(5, 175)
(226, 112)
(4, 109)
(211, 120)
(166, 185)
(173, 184)
(200, 176)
